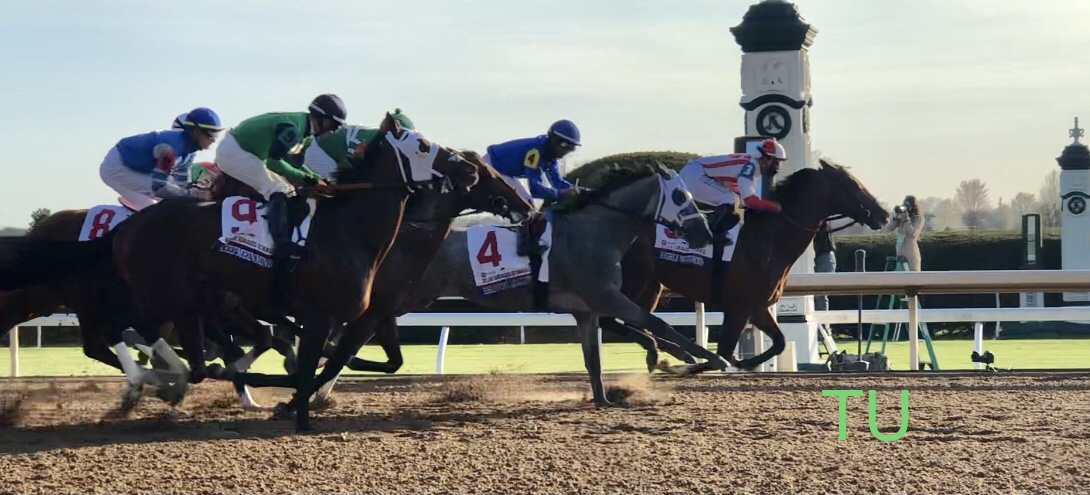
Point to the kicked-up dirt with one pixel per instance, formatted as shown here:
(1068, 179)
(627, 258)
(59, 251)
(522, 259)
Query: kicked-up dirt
(725, 433)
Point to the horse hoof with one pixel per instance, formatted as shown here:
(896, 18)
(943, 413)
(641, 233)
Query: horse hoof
(130, 399)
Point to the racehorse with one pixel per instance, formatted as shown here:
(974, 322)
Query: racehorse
(589, 237)
(767, 246)
(21, 305)
(349, 237)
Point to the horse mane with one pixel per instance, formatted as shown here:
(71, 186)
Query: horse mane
(604, 183)
(794, 185)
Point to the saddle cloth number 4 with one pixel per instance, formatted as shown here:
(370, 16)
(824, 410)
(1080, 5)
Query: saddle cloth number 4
(493, 252)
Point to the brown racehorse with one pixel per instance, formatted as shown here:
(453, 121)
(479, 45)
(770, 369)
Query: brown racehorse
(26, 304)
(428, 219)
(768, 246)
(348, 239)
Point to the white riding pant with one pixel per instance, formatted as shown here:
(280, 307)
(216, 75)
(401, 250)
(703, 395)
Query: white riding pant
(134, 186)
(248, 168)
(515, 183)
(319, 161)
(706, 189)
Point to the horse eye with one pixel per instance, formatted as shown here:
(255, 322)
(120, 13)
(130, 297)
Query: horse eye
(678, 197)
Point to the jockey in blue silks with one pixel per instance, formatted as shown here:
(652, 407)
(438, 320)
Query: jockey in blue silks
(531, 158)
(147, 167)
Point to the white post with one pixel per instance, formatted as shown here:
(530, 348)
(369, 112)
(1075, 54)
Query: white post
(439, 358)
(701, 328)
(1074, 217)
(786, 360)
(14, 343)
(39, 337)
(775, 82)
(913, 333)
(978, 341)
(522, 334)
(759, 346)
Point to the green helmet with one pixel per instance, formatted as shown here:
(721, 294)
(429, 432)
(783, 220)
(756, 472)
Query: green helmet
(403, 119)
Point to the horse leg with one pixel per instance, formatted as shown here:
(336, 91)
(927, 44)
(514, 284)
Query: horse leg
(592, 357)
(643, 338)
(355, 335)
(729, 334)
(192, 329)
(165, 361)
(763, 320)
(384, 329)
(310, 351)
(617, 305)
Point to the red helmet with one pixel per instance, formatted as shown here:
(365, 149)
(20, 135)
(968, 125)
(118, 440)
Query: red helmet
(770, 147)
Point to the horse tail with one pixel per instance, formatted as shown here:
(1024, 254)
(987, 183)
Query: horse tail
(27, 261)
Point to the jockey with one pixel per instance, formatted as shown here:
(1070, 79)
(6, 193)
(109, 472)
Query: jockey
(147, 166)
(254, 151)
(326, 154)
(535, 156)
(718, 180)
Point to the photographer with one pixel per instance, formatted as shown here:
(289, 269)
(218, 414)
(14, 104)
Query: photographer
(907, 222)
(824, 260)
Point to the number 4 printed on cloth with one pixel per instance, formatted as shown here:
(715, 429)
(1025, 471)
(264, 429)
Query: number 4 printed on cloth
(489, 244)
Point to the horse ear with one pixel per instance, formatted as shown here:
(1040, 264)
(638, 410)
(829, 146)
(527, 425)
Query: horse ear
(390, 124)
(824, 164)
(662, 170)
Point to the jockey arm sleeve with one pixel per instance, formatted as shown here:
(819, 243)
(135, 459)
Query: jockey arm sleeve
(294, 175)
(757, 203)
(163, 187)
(537, 189)
(558, 181)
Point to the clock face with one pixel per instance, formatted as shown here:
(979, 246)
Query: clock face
(1076, 205)
(774, 121)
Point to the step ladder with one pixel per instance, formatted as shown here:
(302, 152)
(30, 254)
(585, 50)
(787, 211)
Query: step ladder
(827, 341)
(899, 263)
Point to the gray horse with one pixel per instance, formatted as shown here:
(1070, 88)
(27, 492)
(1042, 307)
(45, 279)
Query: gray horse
(588, 240)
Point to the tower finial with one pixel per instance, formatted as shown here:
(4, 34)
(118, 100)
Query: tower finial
(1076, 132)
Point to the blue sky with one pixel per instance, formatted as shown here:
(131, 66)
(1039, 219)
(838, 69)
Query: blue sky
(914, 96)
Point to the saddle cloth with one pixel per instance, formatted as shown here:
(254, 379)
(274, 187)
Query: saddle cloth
(675, 249)
(102, 219)
(495, 262)
(245, 230)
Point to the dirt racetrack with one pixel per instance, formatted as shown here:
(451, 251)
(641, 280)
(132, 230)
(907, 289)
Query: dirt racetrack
(728, 433)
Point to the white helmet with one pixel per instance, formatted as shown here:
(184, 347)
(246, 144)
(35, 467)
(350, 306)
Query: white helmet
(771, 147)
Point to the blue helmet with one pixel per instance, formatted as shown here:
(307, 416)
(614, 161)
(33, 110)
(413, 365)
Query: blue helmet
(177, 124)
(204, 119)
(566, 130)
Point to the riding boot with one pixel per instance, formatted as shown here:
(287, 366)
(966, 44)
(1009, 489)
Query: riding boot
(283, 249)
(724, 218)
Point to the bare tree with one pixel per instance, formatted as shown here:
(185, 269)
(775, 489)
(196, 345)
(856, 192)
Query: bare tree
(972, 197)
(1048, 204)
(1024, 203)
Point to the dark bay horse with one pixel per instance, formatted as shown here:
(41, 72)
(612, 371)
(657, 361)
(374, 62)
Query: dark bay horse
(25, 304)
(589, 239)
(350, 236)
(768, 245)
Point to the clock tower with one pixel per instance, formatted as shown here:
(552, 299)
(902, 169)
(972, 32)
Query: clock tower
(775, 39)
(1074, 219)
